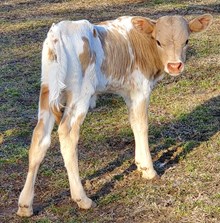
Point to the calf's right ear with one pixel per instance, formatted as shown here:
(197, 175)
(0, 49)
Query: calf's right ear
(200, 23)
(143, 25)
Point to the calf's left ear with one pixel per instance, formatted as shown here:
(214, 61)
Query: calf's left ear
(200, 23)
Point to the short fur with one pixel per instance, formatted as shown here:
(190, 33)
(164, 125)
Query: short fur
(126, 56)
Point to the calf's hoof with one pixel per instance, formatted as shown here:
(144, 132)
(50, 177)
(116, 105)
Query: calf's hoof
(149, 174)
(86, 204)
(24, 211)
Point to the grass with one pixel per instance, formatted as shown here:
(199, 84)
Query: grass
(183, 132)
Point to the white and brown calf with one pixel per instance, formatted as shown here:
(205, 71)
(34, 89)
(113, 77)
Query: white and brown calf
(126, 56)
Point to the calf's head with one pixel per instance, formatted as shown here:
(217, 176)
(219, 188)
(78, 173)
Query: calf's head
(171, 36)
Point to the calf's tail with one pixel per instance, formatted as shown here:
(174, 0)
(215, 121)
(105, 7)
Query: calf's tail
(54, 68)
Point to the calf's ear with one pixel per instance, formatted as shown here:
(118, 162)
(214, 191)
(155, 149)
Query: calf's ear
(200, 23)
(143, 25)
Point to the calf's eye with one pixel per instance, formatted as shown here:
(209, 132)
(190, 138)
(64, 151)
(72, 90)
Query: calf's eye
(158, 43)
(187, 41)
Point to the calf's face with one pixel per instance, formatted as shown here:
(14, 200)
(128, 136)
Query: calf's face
(171, 34)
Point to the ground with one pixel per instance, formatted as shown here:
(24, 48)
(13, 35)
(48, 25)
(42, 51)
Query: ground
(184, 128)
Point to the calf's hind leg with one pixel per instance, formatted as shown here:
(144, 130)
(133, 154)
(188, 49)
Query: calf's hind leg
(69, 129)
(39, 145)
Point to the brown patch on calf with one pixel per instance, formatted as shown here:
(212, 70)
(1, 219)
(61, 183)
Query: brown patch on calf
(44, 97)
(52, 55)
(117, 62)
(94, 33)
(146, 56)
(66, 99)
(57, 114)
(87, 57)
(65, 128)
(39, 127)
(37, 136)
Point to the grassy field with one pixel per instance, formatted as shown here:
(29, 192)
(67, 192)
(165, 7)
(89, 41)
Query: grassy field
(184, 124)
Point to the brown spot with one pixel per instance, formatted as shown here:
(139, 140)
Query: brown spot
(66, 99)
(57, 114)
(44, 103)
(117, 62)
(94, 33)
(52, 55)
(144, 168)
(55, 40)
(86, 57)
(37, 136)
(39, 127)
(69, 107)
(23, 206)
(44, 97)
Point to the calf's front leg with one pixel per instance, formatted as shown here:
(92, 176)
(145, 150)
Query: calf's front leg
(139, 124)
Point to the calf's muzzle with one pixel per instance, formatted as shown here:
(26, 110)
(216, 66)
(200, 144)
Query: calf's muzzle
(175, 68)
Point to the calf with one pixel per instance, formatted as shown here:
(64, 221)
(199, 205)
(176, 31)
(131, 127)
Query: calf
(126, 56)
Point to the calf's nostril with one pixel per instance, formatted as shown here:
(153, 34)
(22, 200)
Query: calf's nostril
(180, 66)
